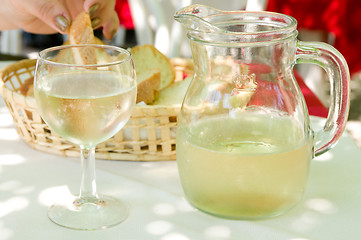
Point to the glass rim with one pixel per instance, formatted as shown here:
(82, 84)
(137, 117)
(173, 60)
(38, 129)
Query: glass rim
(237, 16)
(284, 26)
(100, 46)
(286, 23)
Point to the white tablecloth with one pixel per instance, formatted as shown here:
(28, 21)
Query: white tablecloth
(30, 181)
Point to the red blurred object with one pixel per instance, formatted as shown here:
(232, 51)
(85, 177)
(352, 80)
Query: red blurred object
(124, 14)
(314, 105)
(339, 17)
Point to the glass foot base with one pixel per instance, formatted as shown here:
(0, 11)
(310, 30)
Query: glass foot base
(89, 215)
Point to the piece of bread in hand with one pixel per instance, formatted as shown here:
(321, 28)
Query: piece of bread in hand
(81, 32)
(147, 57)
(148, 85)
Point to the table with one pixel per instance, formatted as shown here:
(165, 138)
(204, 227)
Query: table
(30, 181)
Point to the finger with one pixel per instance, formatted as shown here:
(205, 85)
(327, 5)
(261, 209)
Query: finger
(38, 27)
(111, 27)
(100, 11)
(53, 13)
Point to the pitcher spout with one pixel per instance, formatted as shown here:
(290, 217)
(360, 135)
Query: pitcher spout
(194, 18)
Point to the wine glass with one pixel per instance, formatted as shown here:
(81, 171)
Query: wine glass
(86, 93)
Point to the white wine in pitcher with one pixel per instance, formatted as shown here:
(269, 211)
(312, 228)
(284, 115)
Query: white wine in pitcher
(249, 166)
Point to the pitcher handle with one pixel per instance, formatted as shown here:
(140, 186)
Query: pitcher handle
(336, 68)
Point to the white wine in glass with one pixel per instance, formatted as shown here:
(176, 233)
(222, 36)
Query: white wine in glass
(86, 104)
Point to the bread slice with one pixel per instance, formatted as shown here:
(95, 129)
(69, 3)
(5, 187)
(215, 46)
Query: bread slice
(148, 85)
(174, 94)
(147, 57)
(81, 32)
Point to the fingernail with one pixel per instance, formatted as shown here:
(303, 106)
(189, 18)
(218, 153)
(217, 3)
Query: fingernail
(61, 23)
(95, 22)
(93, 9)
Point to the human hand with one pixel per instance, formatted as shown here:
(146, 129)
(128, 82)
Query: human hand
(51, 16)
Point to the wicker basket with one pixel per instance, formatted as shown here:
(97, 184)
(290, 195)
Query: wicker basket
(148, 136)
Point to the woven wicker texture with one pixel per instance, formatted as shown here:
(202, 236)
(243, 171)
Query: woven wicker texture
(149, 135)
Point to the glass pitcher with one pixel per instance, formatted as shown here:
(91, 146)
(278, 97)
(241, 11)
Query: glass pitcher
(244, 140)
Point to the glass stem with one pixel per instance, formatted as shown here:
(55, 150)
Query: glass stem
(88, 191)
